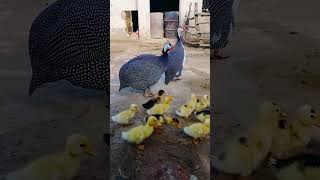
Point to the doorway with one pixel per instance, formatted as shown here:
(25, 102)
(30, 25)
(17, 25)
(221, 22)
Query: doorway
(164, 5)
(132, 21)
(170, 17)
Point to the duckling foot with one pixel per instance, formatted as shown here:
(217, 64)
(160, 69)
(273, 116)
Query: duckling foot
(195, 141)
(158, 130)
(140, 146)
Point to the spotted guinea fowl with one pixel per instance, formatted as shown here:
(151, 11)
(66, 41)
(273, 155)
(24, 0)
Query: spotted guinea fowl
(144, 71)
(69, 40)
(177, 58)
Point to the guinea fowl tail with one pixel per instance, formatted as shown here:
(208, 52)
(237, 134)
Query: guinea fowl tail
(121, 86)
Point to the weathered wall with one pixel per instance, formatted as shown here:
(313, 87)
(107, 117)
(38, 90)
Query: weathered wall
(116, 7)
(143, 6)
(144, 18)
(184, 8)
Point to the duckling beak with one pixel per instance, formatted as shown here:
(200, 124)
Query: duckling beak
(90, 151)
(178, 126)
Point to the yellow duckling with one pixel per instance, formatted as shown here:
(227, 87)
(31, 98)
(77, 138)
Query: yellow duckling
(60, 166)
(244, 154)
(161, 108)
(185, 111)
(168, 120)
(198, 130)
(202, 115)
(202, 103)
(137, 135)
(124, 117)
(298, 135)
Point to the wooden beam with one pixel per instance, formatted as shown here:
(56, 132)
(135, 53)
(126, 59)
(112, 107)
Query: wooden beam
(202, 14)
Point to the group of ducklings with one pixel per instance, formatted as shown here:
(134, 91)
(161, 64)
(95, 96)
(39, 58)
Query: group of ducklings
(60, 166)
(157, 108)
(274, 139)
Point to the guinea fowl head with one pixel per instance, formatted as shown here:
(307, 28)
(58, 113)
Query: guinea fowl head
(180, 31)
(166, 47)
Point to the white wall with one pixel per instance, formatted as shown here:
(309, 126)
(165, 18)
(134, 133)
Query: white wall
(116, 7)
(144, 18)
(143, 7)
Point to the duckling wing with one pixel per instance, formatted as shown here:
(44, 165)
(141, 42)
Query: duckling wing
(150, 103)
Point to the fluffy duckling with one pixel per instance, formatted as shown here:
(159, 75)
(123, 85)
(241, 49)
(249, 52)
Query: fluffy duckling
(202, 103)
(124, 117)
(202, 115)
(280, 139)
(137, 135)
(298, 167)
(242, 155)
(168, 120)
(299, 133)
(198, 130)
(157, 100)
(185, 111)
(60, 166)
(161, 108)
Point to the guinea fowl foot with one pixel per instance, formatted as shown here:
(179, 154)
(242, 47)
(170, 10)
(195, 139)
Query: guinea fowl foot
(177, 78)
(148, 93)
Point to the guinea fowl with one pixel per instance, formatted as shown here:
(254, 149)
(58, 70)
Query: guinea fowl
(69, 40)
(177, 58)
(144, 71)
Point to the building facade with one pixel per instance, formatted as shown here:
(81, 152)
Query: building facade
(132, 15)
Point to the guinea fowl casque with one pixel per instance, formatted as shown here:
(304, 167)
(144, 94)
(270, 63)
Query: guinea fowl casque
(69, 40)
(145, 70)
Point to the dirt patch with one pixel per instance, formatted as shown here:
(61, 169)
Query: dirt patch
(169, 154)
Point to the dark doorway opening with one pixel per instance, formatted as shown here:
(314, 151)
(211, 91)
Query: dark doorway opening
(132, 22)
(164, 5)
(135, 21)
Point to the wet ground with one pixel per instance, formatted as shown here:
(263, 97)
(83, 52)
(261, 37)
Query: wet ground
(33, 126)
(169, 154)
(275, 55)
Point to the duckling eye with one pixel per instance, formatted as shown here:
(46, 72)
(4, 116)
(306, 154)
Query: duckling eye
(277, 110)
(312, 116)
(82, 145)
(185, 105)
(198, 100)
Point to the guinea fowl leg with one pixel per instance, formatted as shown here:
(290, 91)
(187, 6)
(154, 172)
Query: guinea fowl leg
(148, 93)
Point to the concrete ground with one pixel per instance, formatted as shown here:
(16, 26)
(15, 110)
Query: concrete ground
(275, 55)
(170, 149)
(33, 126)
